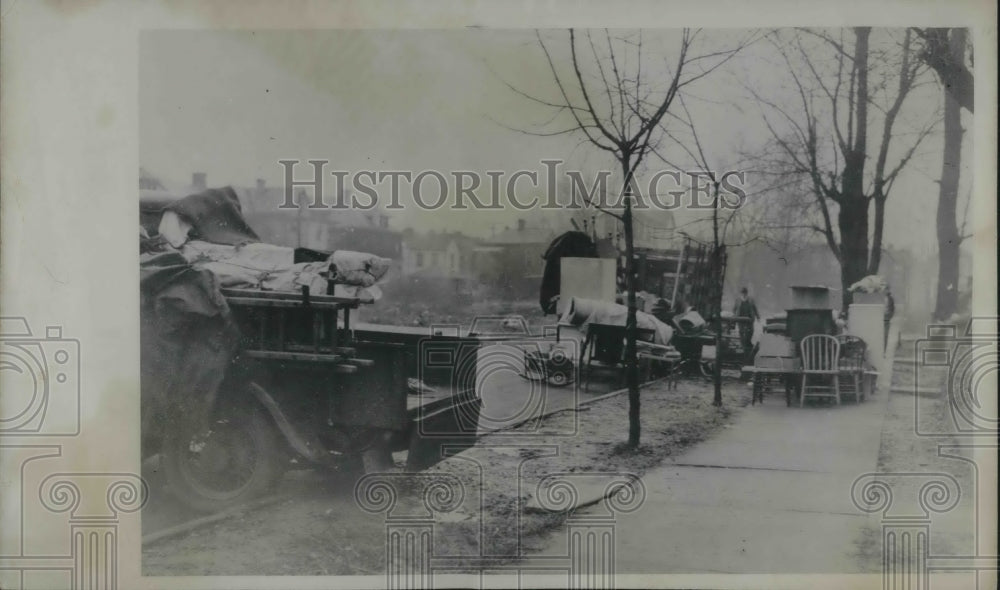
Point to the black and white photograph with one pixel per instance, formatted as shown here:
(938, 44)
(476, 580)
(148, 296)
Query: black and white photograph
(463, 302)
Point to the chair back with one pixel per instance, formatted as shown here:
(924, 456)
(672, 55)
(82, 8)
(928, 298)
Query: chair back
(852, 352)
(819, 352)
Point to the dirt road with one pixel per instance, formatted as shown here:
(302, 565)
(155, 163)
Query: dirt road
(508, 399)
(319, 528)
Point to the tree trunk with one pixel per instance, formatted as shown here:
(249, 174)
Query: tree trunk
(852, 219)
(716, 270)
(853, 223)
(947, 225)
(875, 259)
(941, 55)
(631, 364)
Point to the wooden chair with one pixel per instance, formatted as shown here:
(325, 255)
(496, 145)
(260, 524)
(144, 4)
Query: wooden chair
(663, 359)
(820, 354)
(852, 366)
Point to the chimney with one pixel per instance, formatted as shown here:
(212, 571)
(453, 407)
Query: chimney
(198, 180)
(520, 224)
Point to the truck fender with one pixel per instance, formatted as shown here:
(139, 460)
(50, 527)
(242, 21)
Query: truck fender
(310, 450)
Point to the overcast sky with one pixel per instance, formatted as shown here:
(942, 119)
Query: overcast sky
(232, 104)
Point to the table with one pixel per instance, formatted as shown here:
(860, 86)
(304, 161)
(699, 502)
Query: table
(792, 378)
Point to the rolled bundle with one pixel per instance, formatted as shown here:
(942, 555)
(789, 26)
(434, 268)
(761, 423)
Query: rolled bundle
(580, 312)
(357, 268)
(690, 321)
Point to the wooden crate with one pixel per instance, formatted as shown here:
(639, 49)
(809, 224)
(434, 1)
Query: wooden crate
(295, 326)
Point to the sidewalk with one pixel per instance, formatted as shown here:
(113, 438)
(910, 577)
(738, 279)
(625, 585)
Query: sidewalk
(770, 494)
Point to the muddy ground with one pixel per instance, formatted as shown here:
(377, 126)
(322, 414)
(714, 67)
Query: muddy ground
(318, 528)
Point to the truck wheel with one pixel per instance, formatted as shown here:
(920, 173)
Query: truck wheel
(238, 458)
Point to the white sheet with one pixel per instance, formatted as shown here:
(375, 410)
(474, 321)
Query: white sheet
(581, 312)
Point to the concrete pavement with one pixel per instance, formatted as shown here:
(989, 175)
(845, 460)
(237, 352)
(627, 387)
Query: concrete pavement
(769, 494)
(509, 399)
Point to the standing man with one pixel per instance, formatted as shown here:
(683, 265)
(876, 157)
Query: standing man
(746, 308)
(890, 310)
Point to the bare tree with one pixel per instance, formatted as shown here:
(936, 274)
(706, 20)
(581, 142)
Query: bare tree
(945, 51)
(832, 79)
(941, 51)
(721, 220)
(616, 101)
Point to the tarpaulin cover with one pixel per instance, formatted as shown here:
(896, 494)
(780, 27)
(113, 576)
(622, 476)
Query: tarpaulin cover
(215, 216)
(582, 312)
(187, 338)
(574, 244)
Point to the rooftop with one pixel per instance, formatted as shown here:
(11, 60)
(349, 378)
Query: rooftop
(438, 240)
(522, 234)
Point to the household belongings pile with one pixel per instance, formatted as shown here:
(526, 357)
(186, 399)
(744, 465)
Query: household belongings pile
(574, 244)
(582, 312)
(870, 284)
(209, 231)
(188, 334)
(188, 338)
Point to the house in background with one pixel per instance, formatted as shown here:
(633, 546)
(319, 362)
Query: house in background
(326, 229)
(320, 229)
(149, 182)
(651, 230)
(444, 254)
(511, 260)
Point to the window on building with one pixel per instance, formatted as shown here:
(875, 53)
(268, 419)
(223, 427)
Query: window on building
(420, 259)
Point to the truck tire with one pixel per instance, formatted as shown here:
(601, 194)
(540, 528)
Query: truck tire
(239, 458)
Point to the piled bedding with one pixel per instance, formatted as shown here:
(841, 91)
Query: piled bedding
(209, 231)
(189, 336)
(357, 268)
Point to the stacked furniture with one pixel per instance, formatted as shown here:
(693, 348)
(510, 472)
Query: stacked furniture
(811, 313)
(851, 366)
